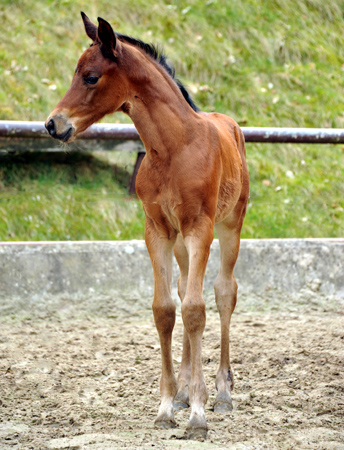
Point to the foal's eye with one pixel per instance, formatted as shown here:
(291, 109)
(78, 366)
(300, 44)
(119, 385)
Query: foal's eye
(91, 80)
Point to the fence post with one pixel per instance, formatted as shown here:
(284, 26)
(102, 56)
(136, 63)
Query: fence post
(139, 159)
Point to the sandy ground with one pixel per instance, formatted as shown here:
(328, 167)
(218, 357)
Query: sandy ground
(93, 383)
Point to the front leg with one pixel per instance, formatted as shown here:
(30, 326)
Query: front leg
(160, 250)
(194, 316)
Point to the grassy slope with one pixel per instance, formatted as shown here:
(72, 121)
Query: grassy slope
(276, 63)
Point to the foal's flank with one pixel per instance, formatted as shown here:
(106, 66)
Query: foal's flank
(193, 178)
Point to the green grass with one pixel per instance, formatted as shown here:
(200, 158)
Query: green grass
(265, 63)
(295, 192)
(66, 197)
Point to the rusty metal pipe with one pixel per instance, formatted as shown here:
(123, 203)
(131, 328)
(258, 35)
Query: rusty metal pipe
(19, 129)
(295, 135)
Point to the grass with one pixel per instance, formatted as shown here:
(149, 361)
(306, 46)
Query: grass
(295, 192)
(66, 197)
(259, 62)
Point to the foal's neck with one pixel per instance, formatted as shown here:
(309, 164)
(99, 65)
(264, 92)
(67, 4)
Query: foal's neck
(162, 116)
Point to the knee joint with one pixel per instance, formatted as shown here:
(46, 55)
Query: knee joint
(193, 314)
(225, 287)
(225, 294)
(164, 315)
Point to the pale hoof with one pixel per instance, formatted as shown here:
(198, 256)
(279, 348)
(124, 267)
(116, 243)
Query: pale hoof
(223, 407)
(196, 434)
(197, 428)
(223, 403)
(179, 405)
(165, 424)
(181, 400)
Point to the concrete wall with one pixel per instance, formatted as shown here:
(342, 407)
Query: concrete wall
(117, 275)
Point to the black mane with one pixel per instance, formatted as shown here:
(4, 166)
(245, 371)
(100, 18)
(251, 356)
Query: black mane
(159, 56)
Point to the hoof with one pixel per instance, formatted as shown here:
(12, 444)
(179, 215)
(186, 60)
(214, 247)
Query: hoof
(197, 427)
(223, 403)
(196, 434)
(165, 424)
(223, 407)
(181, 400)
(179, 405)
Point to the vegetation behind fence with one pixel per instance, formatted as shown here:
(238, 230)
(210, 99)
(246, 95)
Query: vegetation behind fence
(260, 62)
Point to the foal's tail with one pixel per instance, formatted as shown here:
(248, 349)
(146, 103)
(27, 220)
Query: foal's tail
(240, 140)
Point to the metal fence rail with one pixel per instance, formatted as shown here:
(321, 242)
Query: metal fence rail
(18, 136)
(295, 135)
(102, 131)
(18, 129)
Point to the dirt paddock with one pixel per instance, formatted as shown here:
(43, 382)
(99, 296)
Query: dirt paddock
(93, 382)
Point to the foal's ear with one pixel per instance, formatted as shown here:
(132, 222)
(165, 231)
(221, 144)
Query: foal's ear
(107, 38)
(90, 28)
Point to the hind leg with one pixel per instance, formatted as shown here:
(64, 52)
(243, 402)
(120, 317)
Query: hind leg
(226, 297)
(181, 400)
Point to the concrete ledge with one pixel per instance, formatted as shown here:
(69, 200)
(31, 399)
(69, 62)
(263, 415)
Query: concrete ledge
(34, 275)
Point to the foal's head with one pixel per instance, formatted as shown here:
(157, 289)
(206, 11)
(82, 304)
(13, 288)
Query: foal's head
(91, 96)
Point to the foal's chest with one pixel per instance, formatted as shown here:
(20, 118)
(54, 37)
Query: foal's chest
(162, 209)
(160, 197)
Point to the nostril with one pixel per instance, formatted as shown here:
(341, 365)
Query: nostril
(59, 128)
(50, 126)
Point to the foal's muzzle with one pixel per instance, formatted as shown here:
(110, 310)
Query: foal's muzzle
(59, 128)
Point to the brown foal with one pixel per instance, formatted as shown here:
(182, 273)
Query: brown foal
(194, 177)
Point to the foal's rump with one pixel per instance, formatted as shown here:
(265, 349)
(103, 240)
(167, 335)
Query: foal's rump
(234, 178)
